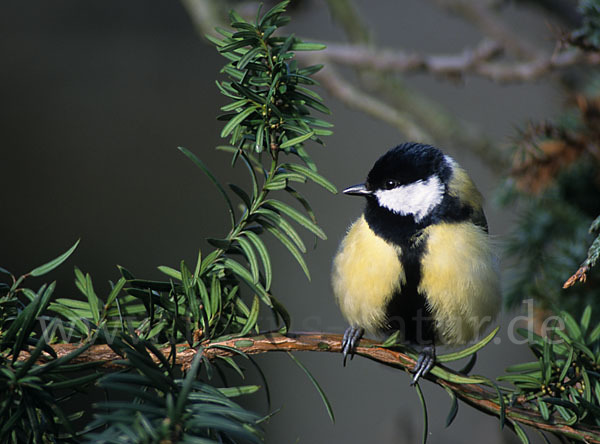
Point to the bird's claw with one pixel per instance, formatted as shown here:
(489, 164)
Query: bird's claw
(424, 363)
(352, 336)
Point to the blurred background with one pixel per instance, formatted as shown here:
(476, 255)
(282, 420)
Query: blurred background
(96, 97)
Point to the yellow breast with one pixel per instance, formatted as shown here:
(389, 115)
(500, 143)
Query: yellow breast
(366, 273)
(459, 277)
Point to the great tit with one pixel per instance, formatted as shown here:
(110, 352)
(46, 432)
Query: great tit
(419, 258)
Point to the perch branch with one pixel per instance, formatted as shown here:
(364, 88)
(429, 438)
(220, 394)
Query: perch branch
(477, 396)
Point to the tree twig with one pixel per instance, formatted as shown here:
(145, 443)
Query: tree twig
(362, 56)
(534, 69)
(356, 99)
(475, 61)
(477, 396)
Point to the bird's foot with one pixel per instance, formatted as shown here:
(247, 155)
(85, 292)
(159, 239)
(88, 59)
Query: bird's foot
(424, 363)
(352, 336)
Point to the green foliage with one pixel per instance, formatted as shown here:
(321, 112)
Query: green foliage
(594, 250)
(221, 296)
(588, 35)
(554, 184)
(269, 115)
(563, 383)
(163, 408)
(34, 394)
(548, 244)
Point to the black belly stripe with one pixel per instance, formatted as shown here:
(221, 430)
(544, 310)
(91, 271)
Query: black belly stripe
(407, 311)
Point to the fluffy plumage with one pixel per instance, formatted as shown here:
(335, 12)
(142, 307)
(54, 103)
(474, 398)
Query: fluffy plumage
(419, 258)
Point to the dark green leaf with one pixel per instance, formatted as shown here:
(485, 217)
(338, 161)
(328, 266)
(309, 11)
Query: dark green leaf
(307, 46)
(249, 56)
(289, 245)
(235, 105)
(543, 409)
(204, 298)
(424, 410)
(243, 25)
(272, 13)
(453, 407)
(249, 41)
(251, 318)
(594, 334)
(312, 175)
(250, 257)
(232, 392)
(316, 385)
(469, 350)
(72, 317)
(171, 272)
(296, 140)
(392, 340)
(213, 179)
(280, 310)
(246, 161)
(246, 277)
(524, 367)
(223, 244)
(250, 94)
(115, 292)
(571, 324)
(264, 255)
(585, 319)
(273, 219)
(49, 266)
(296, 216)
(469, 365)
(520, 432)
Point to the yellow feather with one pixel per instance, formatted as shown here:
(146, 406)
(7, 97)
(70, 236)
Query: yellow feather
(462, 186)
(460, 280)
(366, 273)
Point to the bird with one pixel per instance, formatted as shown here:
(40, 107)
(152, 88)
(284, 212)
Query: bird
(419, 259)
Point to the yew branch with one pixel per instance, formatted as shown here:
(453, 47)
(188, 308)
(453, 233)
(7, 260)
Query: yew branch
(477, 396)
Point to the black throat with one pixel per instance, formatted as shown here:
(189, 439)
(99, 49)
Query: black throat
(394, 228)
(407, 310)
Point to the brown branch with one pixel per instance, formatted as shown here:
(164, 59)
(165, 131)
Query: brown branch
(534, 69)
(361, 56)
(477, 396)
(476, 61)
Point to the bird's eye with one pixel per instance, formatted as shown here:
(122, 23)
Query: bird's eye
(389, 184)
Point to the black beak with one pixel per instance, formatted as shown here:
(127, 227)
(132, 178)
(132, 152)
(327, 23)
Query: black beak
(357, 190)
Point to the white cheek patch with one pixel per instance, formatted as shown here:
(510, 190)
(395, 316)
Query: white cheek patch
(416, 199)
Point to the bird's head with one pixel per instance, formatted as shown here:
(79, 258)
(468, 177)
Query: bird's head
(410, 180)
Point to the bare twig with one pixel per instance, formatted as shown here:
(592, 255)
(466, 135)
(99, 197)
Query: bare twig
(354, 98)
(400, 61)
(477, 396)
(532, 70)
(475, 61)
